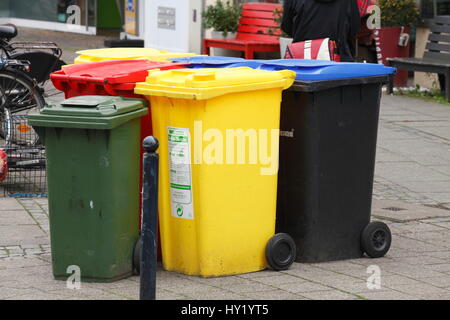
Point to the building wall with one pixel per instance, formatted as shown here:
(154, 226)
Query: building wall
(45, 10)
(47, 14)
(4, 8)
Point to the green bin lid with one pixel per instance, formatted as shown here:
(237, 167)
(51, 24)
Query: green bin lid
(90, 112)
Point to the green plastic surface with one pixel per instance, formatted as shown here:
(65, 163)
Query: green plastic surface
(93, 186)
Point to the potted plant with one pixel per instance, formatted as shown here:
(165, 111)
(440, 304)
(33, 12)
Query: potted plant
(284, 38)
(223, 18)
(392, 40)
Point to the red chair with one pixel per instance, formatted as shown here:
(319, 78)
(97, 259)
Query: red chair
(258, 31)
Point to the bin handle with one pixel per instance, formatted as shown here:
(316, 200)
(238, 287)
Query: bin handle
(82, 78)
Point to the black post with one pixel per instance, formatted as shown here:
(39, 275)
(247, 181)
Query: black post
(149, 219)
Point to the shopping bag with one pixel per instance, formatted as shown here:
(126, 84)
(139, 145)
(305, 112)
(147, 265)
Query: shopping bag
(319, 49)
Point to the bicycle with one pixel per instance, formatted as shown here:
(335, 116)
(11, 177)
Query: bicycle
(23, 168)
(44, 57)
(19, 95)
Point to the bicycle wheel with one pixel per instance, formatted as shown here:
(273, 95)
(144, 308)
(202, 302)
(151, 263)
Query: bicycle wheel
(42, 65)
(19, 96)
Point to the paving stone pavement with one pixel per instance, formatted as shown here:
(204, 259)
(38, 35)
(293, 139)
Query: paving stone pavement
(411, 194)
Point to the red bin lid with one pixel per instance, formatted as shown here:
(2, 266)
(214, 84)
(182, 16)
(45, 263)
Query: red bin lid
(112, 71)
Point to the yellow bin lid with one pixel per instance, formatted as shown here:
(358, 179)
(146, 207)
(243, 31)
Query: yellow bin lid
(127, 53)
(201, 84)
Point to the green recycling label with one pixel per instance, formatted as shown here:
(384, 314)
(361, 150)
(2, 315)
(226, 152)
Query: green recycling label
(180, 172)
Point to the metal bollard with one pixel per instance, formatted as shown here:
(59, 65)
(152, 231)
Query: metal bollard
(149, 220)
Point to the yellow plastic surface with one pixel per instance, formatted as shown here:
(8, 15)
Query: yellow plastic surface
(234, 204)
(127, 53)
(199, 84)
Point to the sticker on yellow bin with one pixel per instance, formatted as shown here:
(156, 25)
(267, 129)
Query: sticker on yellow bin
(180, 173)
(127, 53)
(219, 133)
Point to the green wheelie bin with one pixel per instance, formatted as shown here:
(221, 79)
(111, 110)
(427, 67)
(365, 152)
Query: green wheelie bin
(93, 148)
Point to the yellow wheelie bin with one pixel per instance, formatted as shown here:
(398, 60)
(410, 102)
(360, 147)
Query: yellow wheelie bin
(219, 134)
(127, 53)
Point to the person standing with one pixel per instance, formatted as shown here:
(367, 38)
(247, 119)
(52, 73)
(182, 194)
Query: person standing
(338, 20)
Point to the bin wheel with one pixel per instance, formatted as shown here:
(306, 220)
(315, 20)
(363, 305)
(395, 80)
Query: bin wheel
(280, 252)
(376, 239)
(137, 251)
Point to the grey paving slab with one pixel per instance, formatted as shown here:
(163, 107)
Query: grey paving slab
(438, 197)
(402, 211)
(440, 267)
(251, 286)
(428, 124)
(36, 294)
(388, 156)
(15, 217)
(389, 134)
(387, 295)
(330, 295)
(280, 279)
(22, 234)
(427, 187)
(445, 169)
(407, 117)
(442, 132)
(440, 282)
(274, 295)
(8, 204)
(214, 294)
(303, 287)
(430, 160)
(391, 281)
(7, 293)
(416, 245)
(403, 172)
(412, 171)
(424, 291)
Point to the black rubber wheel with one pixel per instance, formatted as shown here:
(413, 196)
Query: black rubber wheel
(280, 252)
(137, 251)
(376, 239)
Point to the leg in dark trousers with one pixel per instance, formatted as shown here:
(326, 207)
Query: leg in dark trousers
(444, 81)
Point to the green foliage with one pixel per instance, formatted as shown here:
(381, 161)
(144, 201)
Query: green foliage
(398, 13)
(433, 95)
(222, 17)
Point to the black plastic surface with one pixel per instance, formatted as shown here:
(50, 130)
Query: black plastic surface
(280, 252)
(376, 239)
(327, 160)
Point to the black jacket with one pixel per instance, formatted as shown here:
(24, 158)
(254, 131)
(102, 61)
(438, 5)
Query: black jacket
(338, 20)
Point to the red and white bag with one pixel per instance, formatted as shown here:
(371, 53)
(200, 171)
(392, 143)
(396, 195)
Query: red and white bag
(320, 49)
(3, 165)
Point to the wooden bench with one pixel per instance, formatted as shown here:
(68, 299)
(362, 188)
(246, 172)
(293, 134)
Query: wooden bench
(436, 58)
(258, 31)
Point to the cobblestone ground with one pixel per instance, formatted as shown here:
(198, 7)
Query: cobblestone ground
(413, 162)
(411, 194)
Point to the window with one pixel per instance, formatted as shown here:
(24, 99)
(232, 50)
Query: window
(431, 8)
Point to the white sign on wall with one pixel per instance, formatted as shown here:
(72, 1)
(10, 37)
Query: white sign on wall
(174, 25)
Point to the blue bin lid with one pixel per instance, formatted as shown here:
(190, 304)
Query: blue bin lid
(307, 70)
(318, 70)
(207, 61)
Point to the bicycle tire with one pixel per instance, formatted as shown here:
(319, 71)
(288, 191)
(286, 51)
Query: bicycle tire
(42, 64)
(19, 94)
